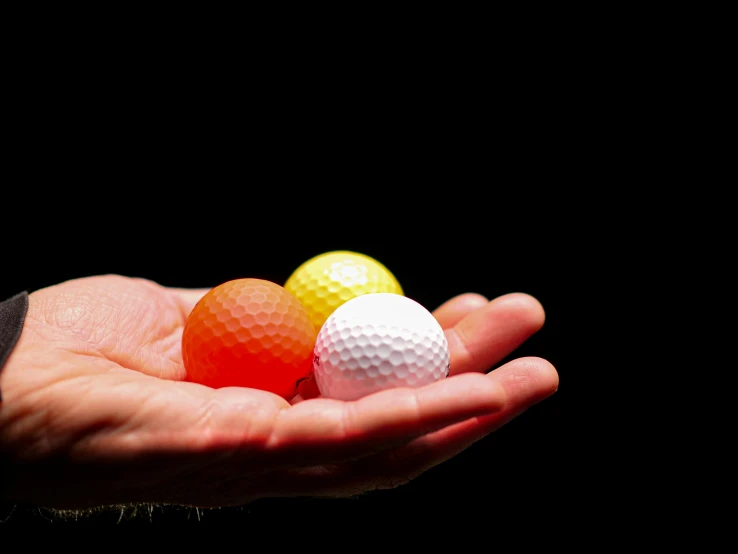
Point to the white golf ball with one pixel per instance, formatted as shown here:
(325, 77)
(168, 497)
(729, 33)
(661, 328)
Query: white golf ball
(379, 341)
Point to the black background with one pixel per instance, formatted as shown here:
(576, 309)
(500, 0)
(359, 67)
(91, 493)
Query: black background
(455, 204)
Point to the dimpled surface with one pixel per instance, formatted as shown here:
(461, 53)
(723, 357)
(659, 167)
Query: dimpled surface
(249, 333)
(378, 341)
(326, 281)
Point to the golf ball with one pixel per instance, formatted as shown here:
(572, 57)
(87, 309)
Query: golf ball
(378, 341)
(328, 280)
(249, 333)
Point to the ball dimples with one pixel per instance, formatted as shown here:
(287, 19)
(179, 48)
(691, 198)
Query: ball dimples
(379, 341)
(326, 281)
(249, 333)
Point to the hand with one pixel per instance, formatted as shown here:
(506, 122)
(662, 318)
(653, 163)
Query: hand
(97, 411)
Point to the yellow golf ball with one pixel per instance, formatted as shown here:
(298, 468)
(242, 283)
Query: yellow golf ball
(325, 282)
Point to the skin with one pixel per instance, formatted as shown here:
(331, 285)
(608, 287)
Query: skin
(97, 411)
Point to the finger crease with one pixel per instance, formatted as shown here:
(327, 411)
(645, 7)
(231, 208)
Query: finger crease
(457, 343)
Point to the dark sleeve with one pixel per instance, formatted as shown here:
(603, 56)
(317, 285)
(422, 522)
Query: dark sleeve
(12, 316)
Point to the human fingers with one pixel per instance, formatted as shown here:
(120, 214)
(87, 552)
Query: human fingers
(454, 310)
(323, 430)
(489, 334)
(526, 382)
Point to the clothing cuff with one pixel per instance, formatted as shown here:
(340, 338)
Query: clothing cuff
(12, 316)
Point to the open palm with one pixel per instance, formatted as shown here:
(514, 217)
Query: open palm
(96, 408)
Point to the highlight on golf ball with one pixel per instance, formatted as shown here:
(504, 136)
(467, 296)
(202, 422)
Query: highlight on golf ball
(326, 281)
(378, 341)
(249, 333)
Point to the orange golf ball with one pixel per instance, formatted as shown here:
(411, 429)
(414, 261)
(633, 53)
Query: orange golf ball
(249, 333)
